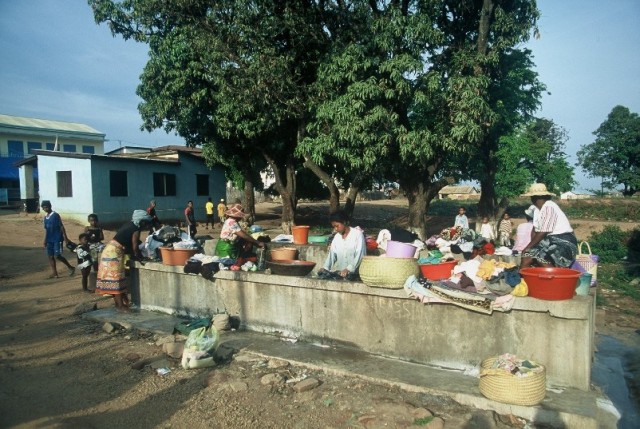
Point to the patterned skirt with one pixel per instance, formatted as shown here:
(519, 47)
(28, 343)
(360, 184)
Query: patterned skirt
(558, 250)
(111, 274)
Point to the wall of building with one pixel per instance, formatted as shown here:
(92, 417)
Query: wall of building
(81, 202)
(47, 143)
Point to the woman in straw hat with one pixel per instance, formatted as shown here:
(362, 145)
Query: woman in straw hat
(232, 238)
(553, 243)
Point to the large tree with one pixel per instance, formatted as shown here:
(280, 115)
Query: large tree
(615, 154)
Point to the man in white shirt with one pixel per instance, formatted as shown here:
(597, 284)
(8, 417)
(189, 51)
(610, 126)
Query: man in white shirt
(553, 243)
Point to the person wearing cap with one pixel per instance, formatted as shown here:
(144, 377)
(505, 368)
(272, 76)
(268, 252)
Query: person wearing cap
(233, 239)
(347, 249)
(523, 231)
(221, 209)
(553, 242)
(54, 234)
(111, 269)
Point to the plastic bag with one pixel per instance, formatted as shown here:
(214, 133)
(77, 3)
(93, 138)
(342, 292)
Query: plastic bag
(203, 339)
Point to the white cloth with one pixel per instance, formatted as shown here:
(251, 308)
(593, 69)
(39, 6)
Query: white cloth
(552, 220)
(383, 238)
(486, 231)
(346, 252)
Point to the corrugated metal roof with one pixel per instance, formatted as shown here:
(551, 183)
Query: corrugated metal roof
(20, 122)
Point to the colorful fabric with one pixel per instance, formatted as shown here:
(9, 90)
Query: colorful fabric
(236, 211)
(230, 229)
(226, 249)
(84, 256)
(111, 274)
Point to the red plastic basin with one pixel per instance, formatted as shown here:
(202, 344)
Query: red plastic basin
(551, 283)
(439, 271)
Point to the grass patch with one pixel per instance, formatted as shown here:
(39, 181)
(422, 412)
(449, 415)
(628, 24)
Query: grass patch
(423, 421)
(614, 277)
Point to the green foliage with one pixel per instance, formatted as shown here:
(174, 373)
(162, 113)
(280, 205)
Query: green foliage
(609, 244)
(615, 154)
(423, 421)
(614, 277)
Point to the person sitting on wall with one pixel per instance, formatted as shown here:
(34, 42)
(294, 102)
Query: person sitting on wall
(234, 241)
(553, 242)
(524, 230)
(346, 251)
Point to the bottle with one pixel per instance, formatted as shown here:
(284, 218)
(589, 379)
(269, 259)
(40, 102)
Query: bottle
(260, 256)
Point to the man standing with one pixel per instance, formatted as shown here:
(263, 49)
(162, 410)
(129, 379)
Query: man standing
(209, 209)
(54, 234)
(190, 217)
(222, 207)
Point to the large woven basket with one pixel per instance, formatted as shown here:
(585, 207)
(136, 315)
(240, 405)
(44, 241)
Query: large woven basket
(385, 272)
(499, 385)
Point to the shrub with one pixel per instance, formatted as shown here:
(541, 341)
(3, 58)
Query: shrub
(609, 244)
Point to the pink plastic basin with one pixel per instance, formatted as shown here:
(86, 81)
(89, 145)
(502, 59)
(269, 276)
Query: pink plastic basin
(396, 249)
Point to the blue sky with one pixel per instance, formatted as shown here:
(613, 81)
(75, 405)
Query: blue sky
(58, 64)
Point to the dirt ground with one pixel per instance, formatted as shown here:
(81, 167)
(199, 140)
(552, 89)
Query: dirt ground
(58, 370)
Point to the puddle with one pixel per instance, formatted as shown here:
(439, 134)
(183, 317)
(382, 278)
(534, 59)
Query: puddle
(616, 370)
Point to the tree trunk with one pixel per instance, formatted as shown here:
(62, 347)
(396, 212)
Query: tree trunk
(352, 194)
(420, 195)
(249, 198)
(334, 192)
(286, 187)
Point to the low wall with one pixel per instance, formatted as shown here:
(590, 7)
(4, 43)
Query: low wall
(386, 322)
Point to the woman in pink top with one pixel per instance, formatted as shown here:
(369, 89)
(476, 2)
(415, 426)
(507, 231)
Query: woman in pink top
(524, 230)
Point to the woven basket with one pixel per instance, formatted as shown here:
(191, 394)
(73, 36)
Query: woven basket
(389, 273)
(499, 385)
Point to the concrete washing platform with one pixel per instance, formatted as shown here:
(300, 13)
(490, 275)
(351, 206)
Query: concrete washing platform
(569, 408)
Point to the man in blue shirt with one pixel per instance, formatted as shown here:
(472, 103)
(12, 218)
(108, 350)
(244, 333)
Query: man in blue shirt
(54, 234)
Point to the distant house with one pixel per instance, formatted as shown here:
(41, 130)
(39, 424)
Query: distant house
(20, 137)
(459, 193)
(573, 196)
(112, 186)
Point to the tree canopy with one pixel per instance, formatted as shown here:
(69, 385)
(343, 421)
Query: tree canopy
(614, 156)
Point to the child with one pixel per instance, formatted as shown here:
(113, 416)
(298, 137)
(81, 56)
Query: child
(461, 218)
(95, 237)
(486, 230)
(85, 262)
(505, 229)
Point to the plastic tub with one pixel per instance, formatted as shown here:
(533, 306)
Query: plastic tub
(283, 253)
(439, 271)
(171, 256)
(318, 239)
(396, 249)
(551, 283)
(584, 285)
(300, 234)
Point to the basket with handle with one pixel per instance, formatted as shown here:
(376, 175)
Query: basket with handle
(386, 272)
(587, 262)
(500, 385)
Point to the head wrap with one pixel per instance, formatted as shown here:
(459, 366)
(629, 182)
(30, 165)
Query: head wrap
(530, 211)
(235, 211)
(139, 216)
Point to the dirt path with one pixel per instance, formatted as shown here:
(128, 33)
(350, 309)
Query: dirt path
(59, 371)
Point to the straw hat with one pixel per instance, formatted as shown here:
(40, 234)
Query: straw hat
(236, 211)
(537, 189)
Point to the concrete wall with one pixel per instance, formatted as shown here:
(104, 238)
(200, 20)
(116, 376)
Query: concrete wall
(558, 334)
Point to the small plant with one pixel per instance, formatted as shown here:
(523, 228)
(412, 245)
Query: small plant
(613, 276)
(609, 244)
(423, 421)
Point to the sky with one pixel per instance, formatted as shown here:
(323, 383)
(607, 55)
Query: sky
(58, 64)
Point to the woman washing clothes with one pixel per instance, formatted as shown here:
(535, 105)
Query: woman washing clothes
(111, 270)
(553, 243)
(346, 250)
(234, 242)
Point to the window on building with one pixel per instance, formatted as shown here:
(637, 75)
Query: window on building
(164, 185)
(68, 148)
(16, 149)
(65, 188)
(118, 186)
(50, 146)
(202, 184)
(88, 149)
(31, 146)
